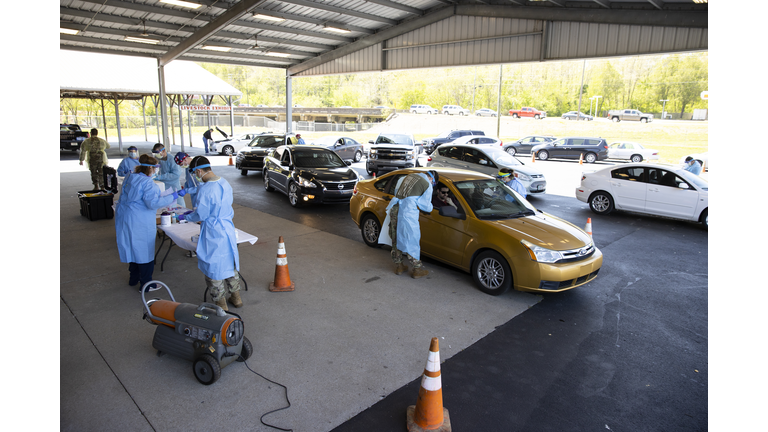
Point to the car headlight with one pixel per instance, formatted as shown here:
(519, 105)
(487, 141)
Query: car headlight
(540, 254)
(304, 182)
(523, 177)
(374, 151)
(409, 154)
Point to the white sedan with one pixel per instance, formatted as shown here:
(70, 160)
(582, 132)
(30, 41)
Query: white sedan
(660, 190)
(631, 151)
(232, 145)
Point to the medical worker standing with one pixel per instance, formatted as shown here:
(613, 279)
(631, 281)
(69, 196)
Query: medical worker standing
(128, 164)
(217, 255)
(507, 175)
(190, 184)
(136, 218)
(170, 173)
(412, 193)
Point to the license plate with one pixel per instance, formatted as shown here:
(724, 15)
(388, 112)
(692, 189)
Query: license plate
(541, 187)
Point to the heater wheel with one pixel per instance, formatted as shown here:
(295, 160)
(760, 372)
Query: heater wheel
(207, 369)
(247, 350)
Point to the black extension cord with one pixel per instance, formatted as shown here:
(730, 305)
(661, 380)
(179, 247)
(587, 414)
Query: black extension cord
(261, 419)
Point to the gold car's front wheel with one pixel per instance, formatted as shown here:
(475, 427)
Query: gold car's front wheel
(492, 273)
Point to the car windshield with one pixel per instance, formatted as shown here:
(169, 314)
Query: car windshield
(317, 159)
(401, 139)
(504, 158)
(492, 199)
(693, 178)
(266, 141)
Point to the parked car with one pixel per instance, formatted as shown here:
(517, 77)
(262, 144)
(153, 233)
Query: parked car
(72, 136)
(629, 114)
(392, 150)
(524, 145)
(478, 140)
(422, 109)
(232, 145)
(632, 151)
(487, 160)
(528, 112)
(573, 115)
(660, 190)
(591, 149)
(251, 157)
(346, 147)
(703, 159)
(494, 234)
(430, 144)
(455, 110)
(486, 112)
(309, 175)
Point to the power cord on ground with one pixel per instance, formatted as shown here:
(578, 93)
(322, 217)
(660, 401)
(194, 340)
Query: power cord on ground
(261, 419)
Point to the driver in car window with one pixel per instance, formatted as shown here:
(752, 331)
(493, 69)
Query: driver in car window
(442, 197)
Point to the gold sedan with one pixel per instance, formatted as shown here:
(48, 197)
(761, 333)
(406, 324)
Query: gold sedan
(492, 232)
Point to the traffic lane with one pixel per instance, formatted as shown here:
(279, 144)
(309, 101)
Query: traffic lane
(628, 351)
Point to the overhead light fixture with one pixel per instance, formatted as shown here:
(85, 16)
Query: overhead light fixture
(277, 54)
(268, 17)
(338, 28)
(181, 3)
(141, 40)
(217, 48)
(68, 31)
(700, 1)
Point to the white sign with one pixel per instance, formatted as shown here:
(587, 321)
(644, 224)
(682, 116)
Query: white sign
(203, 108)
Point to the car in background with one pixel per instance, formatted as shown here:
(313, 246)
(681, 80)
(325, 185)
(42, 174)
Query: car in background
(498, 237)
(478, 140)
(573, 115)
(703, 159)
(251, 156)
(309, 175)
(487, 160)
(232, 145)
(524, 145)
(392, 150)
(455, 110)
(430, 144)
(653, 189)
(591, 149)
(486, 112)
(633, 151)
(422, 109)
(346, 147)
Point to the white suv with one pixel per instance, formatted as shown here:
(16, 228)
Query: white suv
(455, 109)
(422, 109)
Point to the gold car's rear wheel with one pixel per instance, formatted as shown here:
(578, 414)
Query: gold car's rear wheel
(492, 273)
(370, 228)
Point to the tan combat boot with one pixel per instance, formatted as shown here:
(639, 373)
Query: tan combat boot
(235, 299)
(222, 303)
(401, 268)
(419, 272)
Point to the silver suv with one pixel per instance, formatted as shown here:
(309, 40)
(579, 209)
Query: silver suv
(454, 110)
(422, 109)
(392, 150)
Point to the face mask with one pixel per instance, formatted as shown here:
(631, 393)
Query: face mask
(133, 155)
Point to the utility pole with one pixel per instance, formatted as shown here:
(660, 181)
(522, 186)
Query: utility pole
(581, 90)
(663, 106)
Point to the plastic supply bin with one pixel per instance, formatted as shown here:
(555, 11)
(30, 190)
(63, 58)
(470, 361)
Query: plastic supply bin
(96, 206)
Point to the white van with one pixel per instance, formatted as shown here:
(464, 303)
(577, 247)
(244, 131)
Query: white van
(422, 109)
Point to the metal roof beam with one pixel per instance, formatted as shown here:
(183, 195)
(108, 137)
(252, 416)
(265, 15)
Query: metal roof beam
(657, 3)
(144, 8)
(604, 3)
(304, 19)
(342, 11)
(223, 20)
(280, 29)
(398, 6)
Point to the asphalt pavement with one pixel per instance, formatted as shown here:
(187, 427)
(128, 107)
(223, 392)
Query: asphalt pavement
(628, 351)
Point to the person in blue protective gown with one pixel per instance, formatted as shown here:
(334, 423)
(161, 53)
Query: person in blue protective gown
(128, 164)
(217, 255)
(189, 183)
(170, 173)
(507, 175)
(136, 218)
(413, 193)
(692, 165)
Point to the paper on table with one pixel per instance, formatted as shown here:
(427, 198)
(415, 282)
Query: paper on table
(167, 192)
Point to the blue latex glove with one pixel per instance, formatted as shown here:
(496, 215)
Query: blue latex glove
(183, 216)
(182, 192)
(175, 195)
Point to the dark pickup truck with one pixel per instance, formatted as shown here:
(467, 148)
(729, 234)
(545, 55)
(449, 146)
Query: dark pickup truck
(72, 136)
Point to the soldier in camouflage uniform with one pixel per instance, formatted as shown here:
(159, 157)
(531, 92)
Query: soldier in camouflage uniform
(94, 149)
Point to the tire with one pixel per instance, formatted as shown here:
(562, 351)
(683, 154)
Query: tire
(636, 158)
(615, 119)
(537, 117)
(207, 369)
(371, 171)
(515, 116)
(704, 218)
(228, 150)
(370, 228)
(267, 185)
(590, 158)
(413, 112)
(601, 203)
(243, 172)
(511, 150)
(643, 120)
(293, 195)
(491, 272)
(542, 155)
(358, 156)
(461, 114)
(247, 350)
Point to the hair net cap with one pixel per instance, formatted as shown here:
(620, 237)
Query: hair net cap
(179, 158)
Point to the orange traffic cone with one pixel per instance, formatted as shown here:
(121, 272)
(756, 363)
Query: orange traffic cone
(581, 159)
(230, 161)
(588, 228)
(282, 280)
(533, 157)
(374, 174)
(429, 414)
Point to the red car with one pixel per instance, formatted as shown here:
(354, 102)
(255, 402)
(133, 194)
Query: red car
(528, 112)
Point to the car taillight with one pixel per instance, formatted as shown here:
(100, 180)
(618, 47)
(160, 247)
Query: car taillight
(429, 158)
(354, 191)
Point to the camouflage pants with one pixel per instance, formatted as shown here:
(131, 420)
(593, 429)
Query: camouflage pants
(96, 165)
(397, 255)
(218, 288)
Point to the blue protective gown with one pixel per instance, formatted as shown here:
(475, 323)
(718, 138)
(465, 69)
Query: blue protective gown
(408, 230)
(518, 187)
(127, 166)
(217, 255)
(135, 219)
(694, 167)
(170, 174)
(190, 185)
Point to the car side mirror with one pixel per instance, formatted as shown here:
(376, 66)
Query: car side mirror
(348, 163)
(370, 141)
(683, 185)
(449, 211)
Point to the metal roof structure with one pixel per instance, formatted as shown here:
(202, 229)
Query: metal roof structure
(316, 37)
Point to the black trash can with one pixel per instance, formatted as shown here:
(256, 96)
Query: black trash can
(96, 205)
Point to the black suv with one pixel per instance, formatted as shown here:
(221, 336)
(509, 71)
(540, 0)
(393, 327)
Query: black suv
(524, 145)
(590, 148)
(430, 144)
